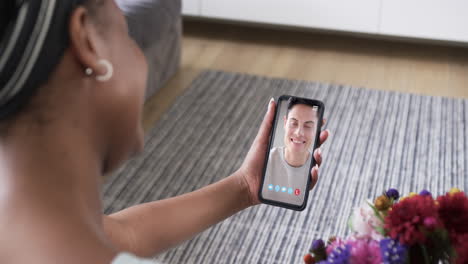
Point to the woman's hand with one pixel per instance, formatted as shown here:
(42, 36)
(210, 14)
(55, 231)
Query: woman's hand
(180, 218)
(251, 170)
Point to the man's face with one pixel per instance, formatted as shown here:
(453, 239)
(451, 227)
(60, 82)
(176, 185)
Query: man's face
(300, 126)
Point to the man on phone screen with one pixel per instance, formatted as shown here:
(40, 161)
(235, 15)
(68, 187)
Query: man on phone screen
(288, 166)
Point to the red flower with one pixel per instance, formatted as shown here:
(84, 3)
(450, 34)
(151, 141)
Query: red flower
(406, 219)
(462, 250)
(453, 212)
(308, 259)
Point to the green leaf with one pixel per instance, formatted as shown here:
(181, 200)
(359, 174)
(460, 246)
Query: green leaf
(376, 212)
(381, 230)
(350, 222)
(424, 251)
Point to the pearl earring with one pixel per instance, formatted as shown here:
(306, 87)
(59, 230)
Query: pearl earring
(109, 71)
(89, 71)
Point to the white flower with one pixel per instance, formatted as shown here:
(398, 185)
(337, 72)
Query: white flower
(364, 223)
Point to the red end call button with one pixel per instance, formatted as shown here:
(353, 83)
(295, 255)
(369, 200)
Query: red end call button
(297, 192)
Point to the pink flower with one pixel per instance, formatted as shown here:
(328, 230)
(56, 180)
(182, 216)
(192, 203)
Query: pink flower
(364, 222)
(365, 251)
(430, 223)
(362, 251)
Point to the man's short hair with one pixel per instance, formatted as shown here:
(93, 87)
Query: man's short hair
(295, 101)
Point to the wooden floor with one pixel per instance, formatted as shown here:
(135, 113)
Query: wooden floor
(376, 64)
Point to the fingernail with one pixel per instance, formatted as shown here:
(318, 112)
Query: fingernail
(269, 104)
(316, 166)
(329, 132)
(319, 151)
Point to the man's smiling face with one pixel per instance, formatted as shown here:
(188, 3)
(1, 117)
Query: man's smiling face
(300, 125)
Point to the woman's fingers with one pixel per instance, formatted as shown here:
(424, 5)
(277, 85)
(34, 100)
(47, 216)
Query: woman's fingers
(267, 123)
(318, 156)
(314, 176)
(324, 136)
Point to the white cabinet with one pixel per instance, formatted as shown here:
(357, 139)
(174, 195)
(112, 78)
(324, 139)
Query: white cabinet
(191, 7)
(356, 15)
(423, 19)
(431, 19)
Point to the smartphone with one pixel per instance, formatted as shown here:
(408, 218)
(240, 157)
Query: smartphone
(294, 137)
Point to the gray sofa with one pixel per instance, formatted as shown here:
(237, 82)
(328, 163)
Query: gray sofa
(156, 25)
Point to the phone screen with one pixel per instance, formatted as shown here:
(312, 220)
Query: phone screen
(293, 139)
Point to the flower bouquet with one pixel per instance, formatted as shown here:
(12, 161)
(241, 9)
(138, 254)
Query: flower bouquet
(418, 228)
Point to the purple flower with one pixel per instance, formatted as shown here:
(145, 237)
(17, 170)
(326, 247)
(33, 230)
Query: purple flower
(317, 244)
(340, 255)
(425, 193)
(392, 251)
(318, 249)
(392, 193)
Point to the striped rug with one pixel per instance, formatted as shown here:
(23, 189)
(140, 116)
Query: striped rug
(379, 140)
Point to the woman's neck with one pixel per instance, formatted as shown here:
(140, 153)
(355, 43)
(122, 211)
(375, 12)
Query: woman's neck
(50, 196)
(52, 167)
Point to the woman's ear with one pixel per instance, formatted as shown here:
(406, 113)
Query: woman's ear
(85, 40)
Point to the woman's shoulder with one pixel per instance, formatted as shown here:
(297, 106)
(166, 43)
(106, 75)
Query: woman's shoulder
(126, 258)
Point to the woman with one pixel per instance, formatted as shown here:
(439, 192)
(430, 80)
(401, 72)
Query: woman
(72, 87)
